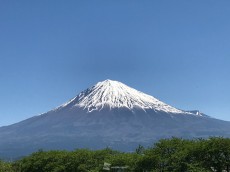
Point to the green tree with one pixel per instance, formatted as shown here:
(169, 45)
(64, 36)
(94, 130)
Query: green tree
(171, 154)
(5, 167)
(140, 149)
(214, 153)
(167, 155)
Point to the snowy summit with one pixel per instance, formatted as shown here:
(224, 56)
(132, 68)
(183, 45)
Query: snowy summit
(114, 94)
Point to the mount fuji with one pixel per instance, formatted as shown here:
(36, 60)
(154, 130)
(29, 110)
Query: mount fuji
(109, 114)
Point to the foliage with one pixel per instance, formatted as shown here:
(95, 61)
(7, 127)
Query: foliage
(174, 155)
(5, 167)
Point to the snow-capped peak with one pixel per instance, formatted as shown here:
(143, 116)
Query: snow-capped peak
(114, 94)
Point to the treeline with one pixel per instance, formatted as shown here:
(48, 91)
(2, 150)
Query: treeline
(167, 155)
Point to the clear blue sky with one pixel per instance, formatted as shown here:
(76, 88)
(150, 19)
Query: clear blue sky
(177, 51)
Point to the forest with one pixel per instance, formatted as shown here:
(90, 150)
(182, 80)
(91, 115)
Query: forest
(166, 155)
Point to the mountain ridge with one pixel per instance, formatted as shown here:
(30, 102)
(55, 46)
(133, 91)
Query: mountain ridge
(102, 116)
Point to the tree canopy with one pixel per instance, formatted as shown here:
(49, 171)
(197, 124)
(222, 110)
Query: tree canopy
(167, 155)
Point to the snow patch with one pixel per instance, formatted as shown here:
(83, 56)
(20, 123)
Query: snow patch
(114, 94)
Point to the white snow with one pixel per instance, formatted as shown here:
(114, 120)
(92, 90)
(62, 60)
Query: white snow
(114, 94)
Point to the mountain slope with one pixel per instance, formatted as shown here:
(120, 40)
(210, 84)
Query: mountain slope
(114, 94)
(107, 114)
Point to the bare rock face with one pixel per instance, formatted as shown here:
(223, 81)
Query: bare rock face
(109, 114)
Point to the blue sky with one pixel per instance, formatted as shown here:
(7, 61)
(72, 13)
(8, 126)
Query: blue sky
(177, 51)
